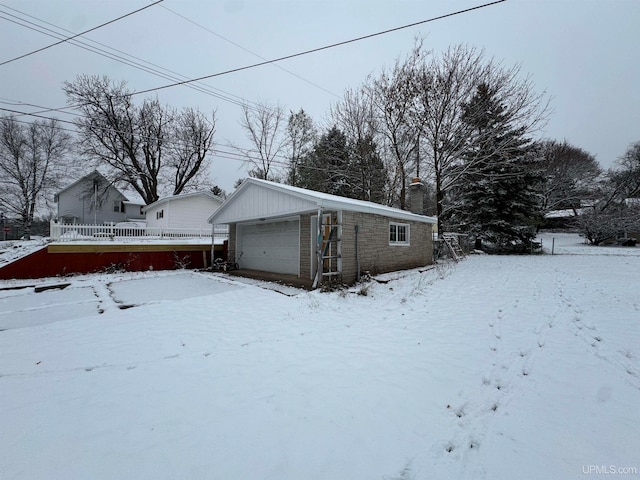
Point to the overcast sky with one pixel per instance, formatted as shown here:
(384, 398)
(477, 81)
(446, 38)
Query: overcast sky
(584, 53)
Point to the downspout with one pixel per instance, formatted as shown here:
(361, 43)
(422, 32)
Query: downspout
(339, 231)
(213, 244)
(357, 255)
(316, 281)
(95, 202)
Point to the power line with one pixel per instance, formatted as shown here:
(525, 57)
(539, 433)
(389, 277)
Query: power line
(247, 50)
(216, 152)
(242, 156)
(186, 82)
(326, 47)
(228, 97)
(81, 33)
(274, 60)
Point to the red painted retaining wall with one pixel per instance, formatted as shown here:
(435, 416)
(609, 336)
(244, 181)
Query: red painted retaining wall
(44, 263)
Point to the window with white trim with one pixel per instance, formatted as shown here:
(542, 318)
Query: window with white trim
(398, 233)
(117, 206)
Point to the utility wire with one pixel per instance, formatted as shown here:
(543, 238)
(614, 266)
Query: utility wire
(136, 65)
(247, 50)
(81, 33)
(326, 47)
(243, 156)
(185, 82)
(274, 60)
(215, 151)
(203, 88)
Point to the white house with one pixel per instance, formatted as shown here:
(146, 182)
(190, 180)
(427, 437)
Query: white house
(186, 211)
(93, 199)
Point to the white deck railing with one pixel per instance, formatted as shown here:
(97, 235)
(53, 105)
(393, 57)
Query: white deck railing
(61, 232)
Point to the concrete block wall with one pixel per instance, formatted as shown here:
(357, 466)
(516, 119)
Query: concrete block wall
(376, 255)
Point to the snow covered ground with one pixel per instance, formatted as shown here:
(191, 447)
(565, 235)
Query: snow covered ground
(11, 250)
(498, 367)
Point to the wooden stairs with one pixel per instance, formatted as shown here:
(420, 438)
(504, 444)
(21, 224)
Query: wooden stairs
(453, 245)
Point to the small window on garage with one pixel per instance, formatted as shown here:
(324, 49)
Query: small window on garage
(117, 206)
(398, 233)
(159, 214)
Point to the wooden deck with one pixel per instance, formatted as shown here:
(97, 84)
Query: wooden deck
(128, 247)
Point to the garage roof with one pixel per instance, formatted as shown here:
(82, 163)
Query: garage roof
(259, 199)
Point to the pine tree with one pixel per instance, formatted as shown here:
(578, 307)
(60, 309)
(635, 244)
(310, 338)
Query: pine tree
(326, 167)
(369, 170)
(498, 202)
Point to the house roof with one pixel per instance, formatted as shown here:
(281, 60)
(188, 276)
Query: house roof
(170, 198)
(566, 213)
(265, 199)
(131, 196)
(88, 175)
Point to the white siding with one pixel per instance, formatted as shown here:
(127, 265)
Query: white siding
(189, 211)
(79, 202)
(255, 202)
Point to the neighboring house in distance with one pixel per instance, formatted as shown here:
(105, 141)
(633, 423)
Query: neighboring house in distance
(564, 218)
(274, 228)
(188, 211)
(94, 200)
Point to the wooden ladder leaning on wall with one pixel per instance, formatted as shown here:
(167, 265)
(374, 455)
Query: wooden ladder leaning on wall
(452, 243)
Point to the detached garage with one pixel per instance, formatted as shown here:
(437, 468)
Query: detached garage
(315, 237)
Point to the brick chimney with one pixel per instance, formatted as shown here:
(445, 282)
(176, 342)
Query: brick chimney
(416, 196)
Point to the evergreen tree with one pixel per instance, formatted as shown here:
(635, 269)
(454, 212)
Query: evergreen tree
(498, 202)
(369, 170)
(339, 167)
(326, 167)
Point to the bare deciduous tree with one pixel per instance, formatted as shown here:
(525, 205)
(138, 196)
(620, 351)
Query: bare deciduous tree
(627, 173)
(193, 140)
(301, 135)
(263, 124)
(569, 174)
(32, 160)
(617, 210)
(152, 148)
(392, 95)
(355, 116)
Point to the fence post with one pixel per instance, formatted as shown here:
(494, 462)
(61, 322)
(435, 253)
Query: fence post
(553, 244)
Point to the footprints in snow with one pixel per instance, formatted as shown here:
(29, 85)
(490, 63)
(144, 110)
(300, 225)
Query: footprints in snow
(134, 366)
(495, 388)
(589, 334)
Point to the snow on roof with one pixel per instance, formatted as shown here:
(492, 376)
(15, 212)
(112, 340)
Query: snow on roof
(566, 213)
(181, 196)
(319, 200)
(132, 196)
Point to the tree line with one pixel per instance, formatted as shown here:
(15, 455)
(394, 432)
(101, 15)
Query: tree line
(464, 125)
(461, 123)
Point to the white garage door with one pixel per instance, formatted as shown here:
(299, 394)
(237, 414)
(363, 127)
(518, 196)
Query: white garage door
(270, 246)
